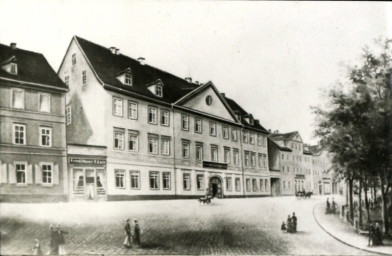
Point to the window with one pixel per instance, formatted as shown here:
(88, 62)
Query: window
(248, 185)
(120, 178)
(214, 153)
(18, 98)
(158, 91)
(282, 168)
(44, 102)
(19, 134)
(185, 149)
(254, 185)
(252, 138)
(73, 58)
(237, 184)
(118, 139)
(84, 77)
(45, 136)
(212, 128)
(259, 140)
(225, 131)
(117, 106)
(200, 181)
(47, 173)
(68, 114)
(247, 158)
(229, 184)
(264, 160)
(166, 180)
(262, 184)
(199, 151)
(133, 140)
(128, 78)
(266, 185)
(245, 137)
(132, 110)
(198, 125)
(260, 160)
(66, 80)
(288, 183)
(187, 181)
(20, 169)
(153, 144)
(209, 100)
(14, 68)
(284, 184)
(135, 179)
(227, 155)
(152, 115)
(185, 122)
(264, 141)
(282, 156)
(236, 156)
(165, 146)
(253, 159)
(234, 134)
(165, 115)
(154, 180)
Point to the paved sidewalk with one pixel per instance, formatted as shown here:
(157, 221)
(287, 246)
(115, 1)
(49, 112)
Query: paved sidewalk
(345, 233)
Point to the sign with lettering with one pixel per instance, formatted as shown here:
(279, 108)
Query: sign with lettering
(300, 176)
(90, 161)
(214, 165)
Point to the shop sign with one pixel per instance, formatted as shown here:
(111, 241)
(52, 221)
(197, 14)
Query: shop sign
(214, 165)
(90, 161)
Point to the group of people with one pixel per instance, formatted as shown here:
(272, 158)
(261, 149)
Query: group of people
(331, 208)
(291, 226)
(375, 235)
(132, 238)
(57, 242)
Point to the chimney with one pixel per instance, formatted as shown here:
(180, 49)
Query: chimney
(112, 49)
(188, 79)
(13, 46)
(117, 51)
(141, 60)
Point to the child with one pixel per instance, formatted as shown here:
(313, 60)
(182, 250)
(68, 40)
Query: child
(283, 227)
(37, 248)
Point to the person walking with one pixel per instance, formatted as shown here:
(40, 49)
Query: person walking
(328, 206)
(289, 225)
(371, 235)
(136, 233)
(54, 246)
(128, 234)
(294, 220)
(37, 248)
(377, 238)
(61, 240)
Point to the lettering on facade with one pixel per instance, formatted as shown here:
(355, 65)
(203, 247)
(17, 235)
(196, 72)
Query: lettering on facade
(73, 160)
(214, 165)
(300, 176)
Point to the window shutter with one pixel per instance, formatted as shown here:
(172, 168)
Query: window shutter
(56, 174)
(3, 174)
(29, 174)
(38, 174)
(12, 173)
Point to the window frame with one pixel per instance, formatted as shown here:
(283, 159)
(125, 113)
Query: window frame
(225, 135)
(234, 134)
(133, 134)
(214, 148)
(213, 129)
(118, 131)
(164, 140)
(201, 125)
(227, 155)
(163, 180)
(186, 145)
(117, 99)
(13, 68)
(24, 133)
(229, 181)
(22, 97)
(51, 171)
(163, 111)
(68, 114)
(41, 128)
(236, 156)
(25, 164)
(152, 138)
(199, 145)
(159, 92)
(185, 118)
(155, 121)
(131, 172)
(119, 171)
(39, 102)
(84, 78)
(128, 79)
(183, 181)
(130, 104)
(251, 138)
(202, 183)
(73, 59)
(150, 173)
(237, 184)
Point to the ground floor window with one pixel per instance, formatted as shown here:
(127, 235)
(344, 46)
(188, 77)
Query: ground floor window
(166, 180)
(154, 180)
(266, 185)
(47, 173)
(120, 178)
(248, 185)
(187, 181)
(237, 184)
(135, 179)
(200, 181)
(254, 185)
(284, 184)
(229, 185)
(261, 185)
(20, 169)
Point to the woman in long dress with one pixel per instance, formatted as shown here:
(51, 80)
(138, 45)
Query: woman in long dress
(136, 234)
(54, 246)
(128, 234)
(61, 240)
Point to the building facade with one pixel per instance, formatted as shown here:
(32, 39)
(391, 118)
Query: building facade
(134, 132)
(32, 128)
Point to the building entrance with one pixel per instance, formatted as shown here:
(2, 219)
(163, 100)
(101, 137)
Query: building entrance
(215, 186)
(88, 183)
(275, 186)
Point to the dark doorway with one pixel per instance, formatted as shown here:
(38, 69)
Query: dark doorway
(216, 187)
(275, 186)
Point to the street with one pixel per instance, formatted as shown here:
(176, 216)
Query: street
(227, 226)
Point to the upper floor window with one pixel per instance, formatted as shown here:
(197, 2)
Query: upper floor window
(45, 136)
(212, 128)
(227, 155)
(253, 159)
(165, 118)
(198, 125)
(44, 102)
(117, 106)
(68, 114)
(19, 134)
(234, 134)
(214, 153)
(185, 122)
(132, 110)
(18, 98)
(152, 115)
(66, 80)
(118, 139)
(199, 151)
(153, 144)
(247, 158)
(165, 146)
(251, 138)
(14, 68)
(225, 132)
(259, 140)
(185, 149)
(128, 79)
(133, 140)
(73, 58)
(84, 77)
(245, 135)
(236, 156)
(158, 91)
(260, 160)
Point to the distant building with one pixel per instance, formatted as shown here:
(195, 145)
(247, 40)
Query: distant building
(32, 128)
(323, 181)
(135, 132)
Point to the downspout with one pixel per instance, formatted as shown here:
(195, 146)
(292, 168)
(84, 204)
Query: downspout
(174, 154)
(242, 160)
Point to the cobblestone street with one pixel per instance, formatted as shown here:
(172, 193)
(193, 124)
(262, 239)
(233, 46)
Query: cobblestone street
(230, 226)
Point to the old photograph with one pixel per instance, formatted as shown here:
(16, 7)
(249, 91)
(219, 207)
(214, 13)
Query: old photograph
(195, 127)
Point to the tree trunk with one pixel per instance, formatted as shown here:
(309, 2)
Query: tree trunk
(350, 187)
(360, 203)
(365, 184)
(374, 193)
(384, 205)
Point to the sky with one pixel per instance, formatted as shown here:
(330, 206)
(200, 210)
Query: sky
(273, 58)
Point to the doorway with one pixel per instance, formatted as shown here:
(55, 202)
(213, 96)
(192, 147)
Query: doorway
(275, 186)
(216, 187)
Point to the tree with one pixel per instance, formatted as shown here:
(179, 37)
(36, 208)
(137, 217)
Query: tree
(357, 127)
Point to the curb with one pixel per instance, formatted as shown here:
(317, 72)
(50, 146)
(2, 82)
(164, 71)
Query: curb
(340, 240)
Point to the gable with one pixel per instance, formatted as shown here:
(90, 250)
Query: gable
(217, 107)
(297, 138)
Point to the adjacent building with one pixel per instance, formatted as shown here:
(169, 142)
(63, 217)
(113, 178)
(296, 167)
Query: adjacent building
(32, 128)
(135, 131)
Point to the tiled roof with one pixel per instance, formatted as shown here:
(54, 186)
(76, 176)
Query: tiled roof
(32, 67)
(271, 142)
(108, 65)
(282, 136)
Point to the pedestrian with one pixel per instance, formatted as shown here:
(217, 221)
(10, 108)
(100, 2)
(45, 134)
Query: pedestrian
(54, 246)
(283, 227)
(377, 240)
(37, 248)
(61, 239)
(294, 220)
(128, 234)
(136, 234)
(333, 206)
(328, 206)
(289, 225)
(371, 235)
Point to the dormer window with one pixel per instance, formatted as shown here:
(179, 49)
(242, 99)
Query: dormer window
(125, 77)
(128, 79)
(14, 68)
(158, 90)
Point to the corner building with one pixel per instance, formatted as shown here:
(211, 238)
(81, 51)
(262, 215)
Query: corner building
(136, 132)
(32, 128)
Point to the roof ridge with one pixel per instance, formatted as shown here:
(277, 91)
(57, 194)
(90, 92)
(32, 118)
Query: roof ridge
(24, 50)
